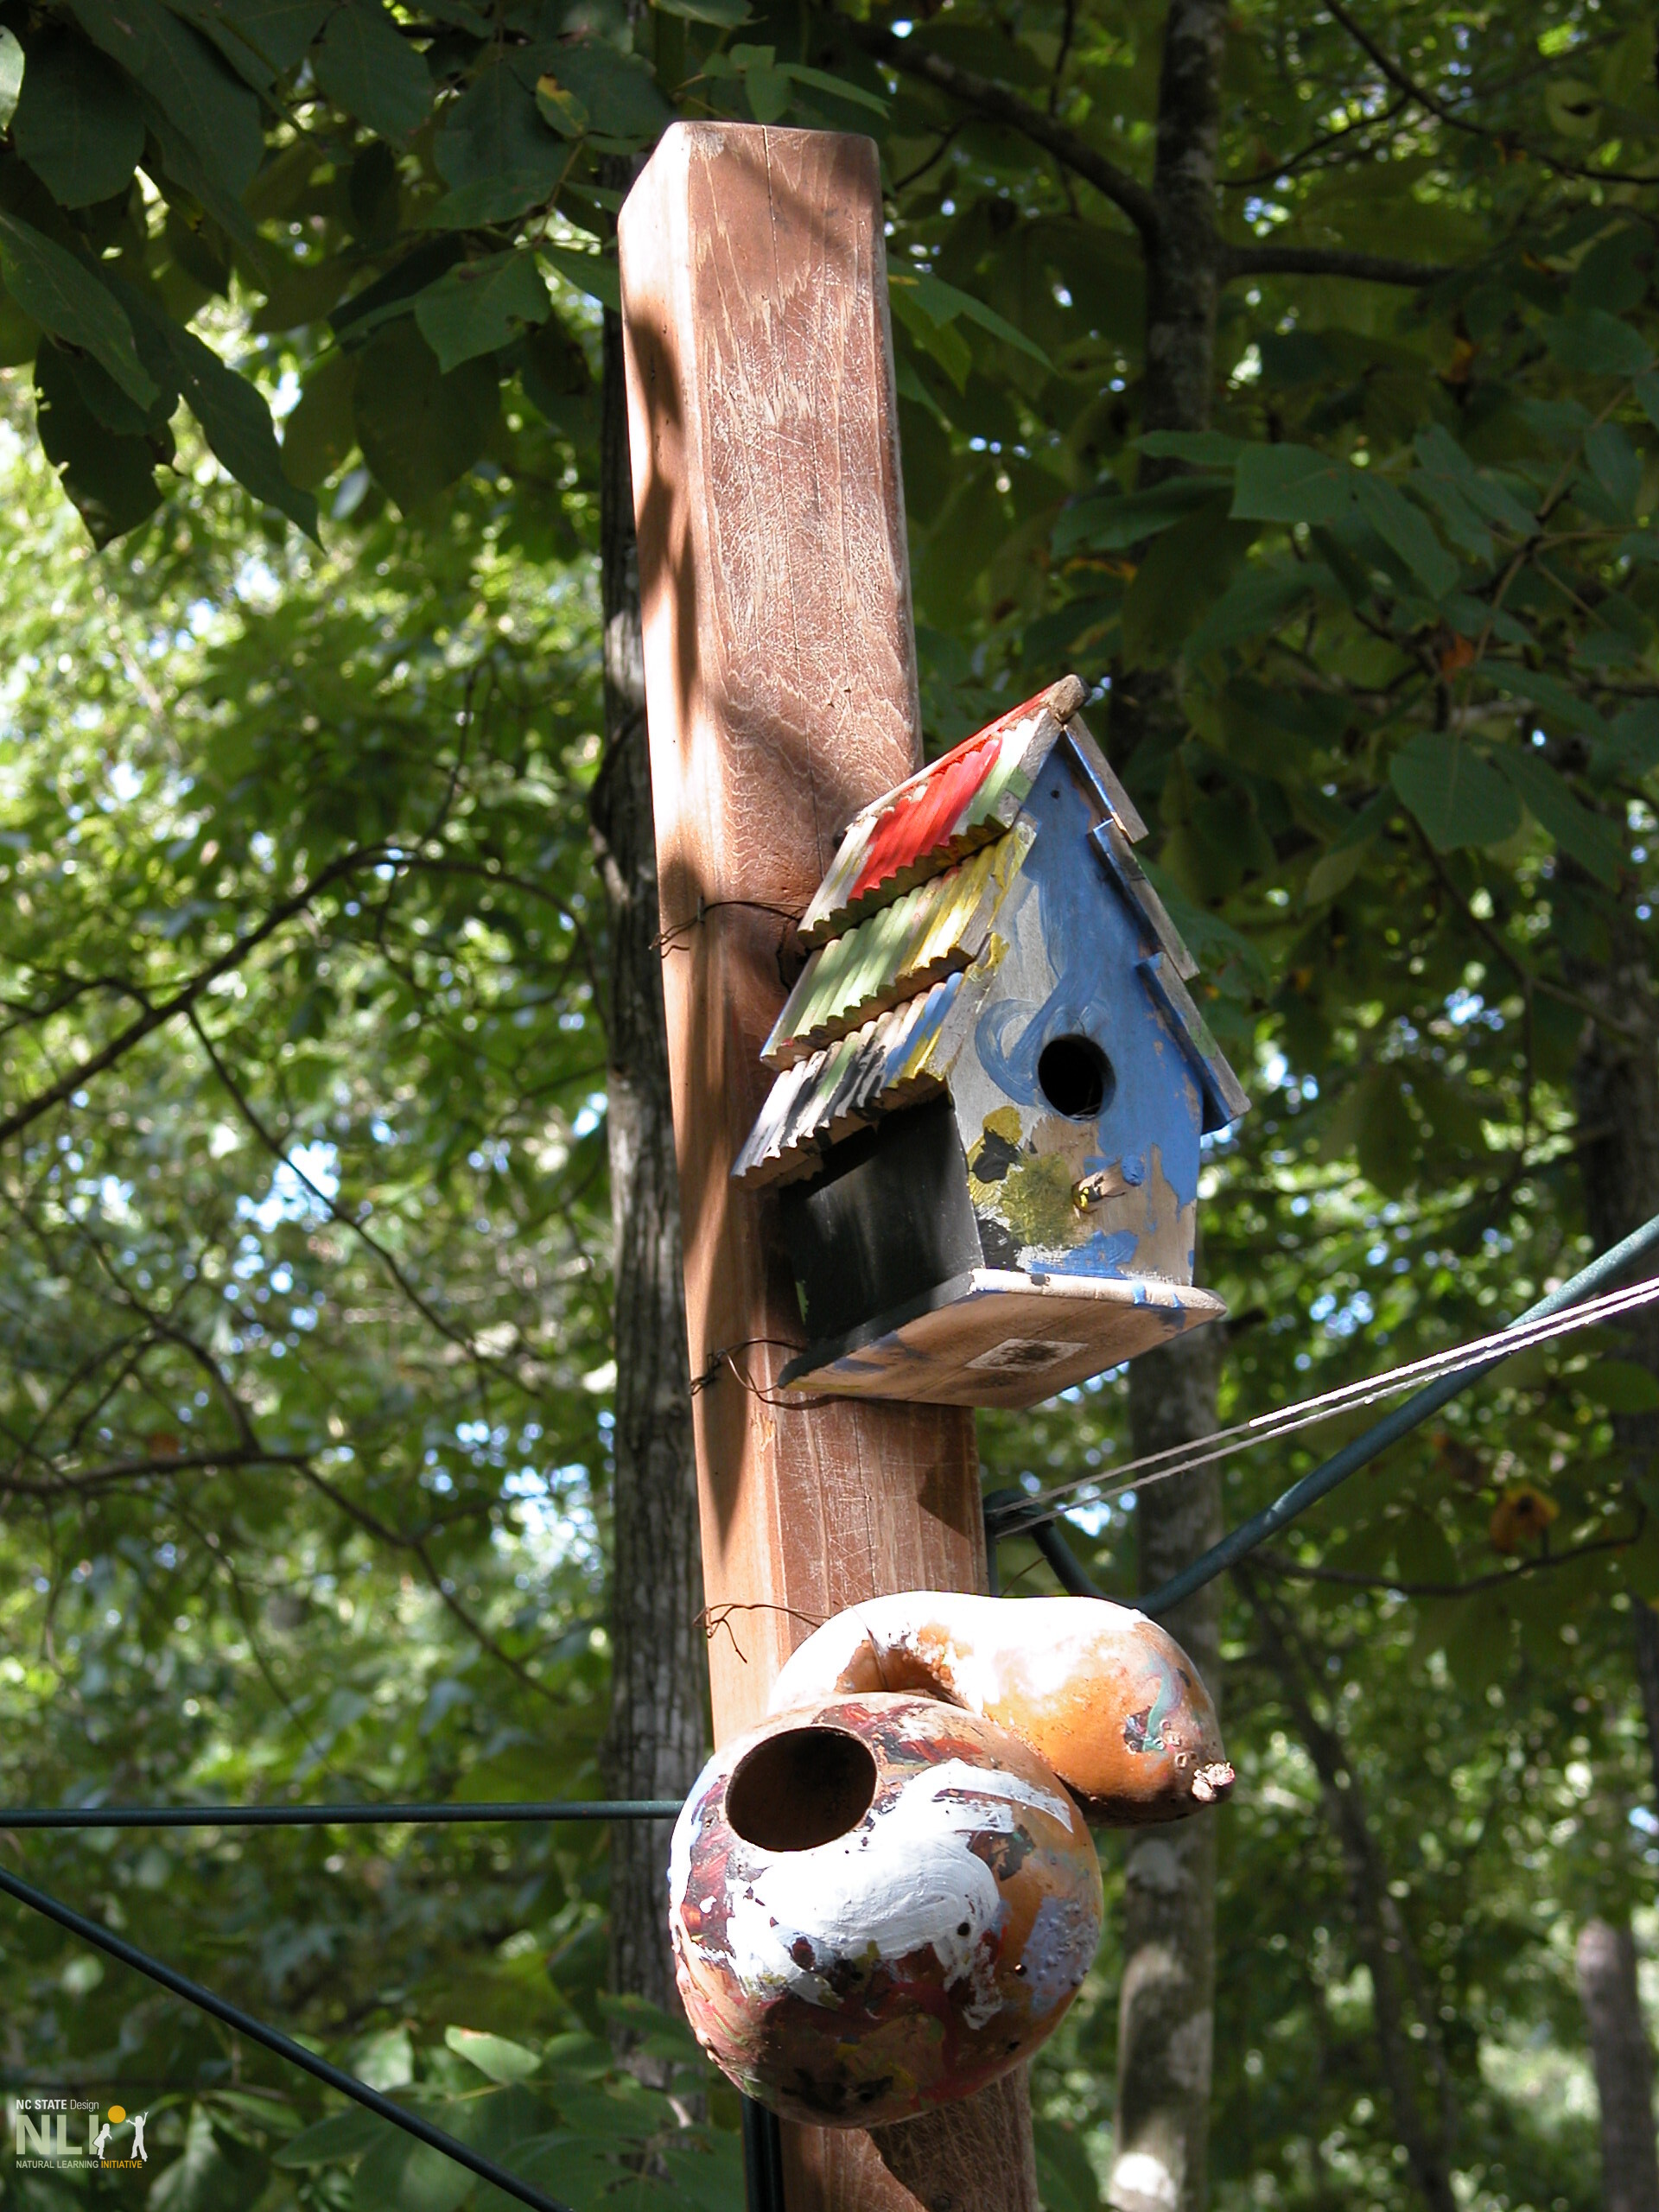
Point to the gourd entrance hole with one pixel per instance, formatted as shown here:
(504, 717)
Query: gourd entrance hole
(801, 1787)
(1076, 1077)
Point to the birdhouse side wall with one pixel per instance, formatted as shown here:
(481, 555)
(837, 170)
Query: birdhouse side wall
(884, 1226)
(1109, 1193)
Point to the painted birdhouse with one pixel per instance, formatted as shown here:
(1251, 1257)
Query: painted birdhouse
(991, 1084)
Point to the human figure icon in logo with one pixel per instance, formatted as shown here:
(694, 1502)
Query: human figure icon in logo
(101, 2141)
(138, 2150)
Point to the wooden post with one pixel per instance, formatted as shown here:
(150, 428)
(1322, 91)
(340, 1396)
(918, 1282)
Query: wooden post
(780, 677)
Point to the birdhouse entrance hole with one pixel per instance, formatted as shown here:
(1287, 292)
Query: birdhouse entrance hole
(1076, 1077)
(801, 1787)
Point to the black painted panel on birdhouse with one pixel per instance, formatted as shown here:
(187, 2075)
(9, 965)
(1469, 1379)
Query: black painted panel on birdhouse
(888, 1219)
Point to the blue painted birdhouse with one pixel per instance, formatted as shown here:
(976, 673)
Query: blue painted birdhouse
(991, 1084)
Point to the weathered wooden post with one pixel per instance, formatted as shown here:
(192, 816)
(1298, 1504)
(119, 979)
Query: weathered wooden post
(781, 691)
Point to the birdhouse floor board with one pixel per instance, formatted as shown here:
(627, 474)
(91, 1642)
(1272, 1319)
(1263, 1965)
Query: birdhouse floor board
(991, 1338)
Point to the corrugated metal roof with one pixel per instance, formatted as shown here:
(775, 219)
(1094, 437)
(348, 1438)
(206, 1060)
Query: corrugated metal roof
(888, 1063)
(934, 928)
(929, 815)
(962, 801)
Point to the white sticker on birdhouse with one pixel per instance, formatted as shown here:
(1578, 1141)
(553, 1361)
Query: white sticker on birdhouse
(1024, 1355)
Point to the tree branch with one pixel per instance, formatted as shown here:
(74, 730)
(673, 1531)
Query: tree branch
(1276, 1563)
(441, 1585)
(170, 1463)
(157, 1016)
(1271, 260)
(997, 105)
(1432, 105)
(423, 1306)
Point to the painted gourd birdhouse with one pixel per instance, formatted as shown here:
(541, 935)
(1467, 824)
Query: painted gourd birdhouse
(991, 1085)
(886, 1896)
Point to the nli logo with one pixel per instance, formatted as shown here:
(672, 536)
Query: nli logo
(70, 2134)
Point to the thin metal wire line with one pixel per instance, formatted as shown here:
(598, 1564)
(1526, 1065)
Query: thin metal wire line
(1265, 1428)
(1376, 1438)
(245, 2023)
(331, 1816)
(1468, 1360)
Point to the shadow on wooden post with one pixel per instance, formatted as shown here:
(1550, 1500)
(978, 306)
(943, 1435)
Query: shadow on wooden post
(780, 682)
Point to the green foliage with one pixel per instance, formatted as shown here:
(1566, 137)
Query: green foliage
(559, 2113)
(304, 160)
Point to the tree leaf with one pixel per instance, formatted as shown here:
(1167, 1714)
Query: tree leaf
(1619, 1385)
(561, 110)
(1614, 464)
(1185, 571)
(1458, 799)
(821, 80)
(262, 40)
(403, 2175)
(76, 125)
(593, 273)
(496, 152)
(616, 92)
(111, 479)
(1109, 522)
(1290, 483)
(373, 73)
(343, 2135)
(418, 429)
(1445, 463)
(1597, 344)
(217, 115)
(941, 342)
(479, 306)
(11, 75)
(320, 433)
(394, 293)
(725, 15)
(184, 166)
(1407, 529)
(1634, 737)
(234, 418)
(1203, 448)
(1333, 872)
(1386, 1142)
(63, 296)
(1549, 800)
(502, 2061)
(942, 304)
(208, 2175)
(1443, 478)
(1256, 602)
(105, 400)
(768, 90)
(1548, 695)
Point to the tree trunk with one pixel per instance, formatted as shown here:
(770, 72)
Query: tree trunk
(1167, 2009)
(1167, 2017)
(1616, 1080)
(655, 1740)
(1624, 2065)
(1184, 260)
(1380, 1931)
